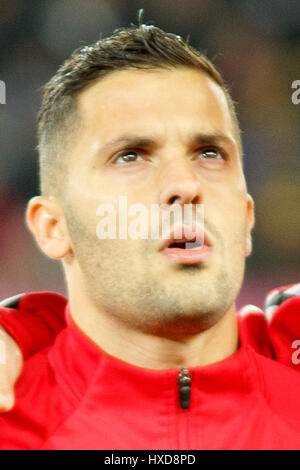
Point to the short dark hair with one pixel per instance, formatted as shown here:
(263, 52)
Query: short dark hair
(135, 47)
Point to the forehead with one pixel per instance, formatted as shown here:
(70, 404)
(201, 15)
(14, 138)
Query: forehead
(161, 100)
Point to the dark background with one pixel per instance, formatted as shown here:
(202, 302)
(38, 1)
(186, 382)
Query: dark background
(256, 45)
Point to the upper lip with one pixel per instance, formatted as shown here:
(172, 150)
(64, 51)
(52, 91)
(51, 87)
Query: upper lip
(172, 239)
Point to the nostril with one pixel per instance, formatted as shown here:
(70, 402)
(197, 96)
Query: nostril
(173, 199)
(196, 200)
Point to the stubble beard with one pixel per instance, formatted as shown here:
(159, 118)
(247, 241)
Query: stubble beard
(122, 281)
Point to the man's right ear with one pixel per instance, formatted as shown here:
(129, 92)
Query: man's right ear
(46, 221)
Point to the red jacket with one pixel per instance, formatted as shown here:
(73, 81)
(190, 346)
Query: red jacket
(72, 395)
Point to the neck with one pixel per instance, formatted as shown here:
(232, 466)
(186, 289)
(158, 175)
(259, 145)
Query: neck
(152, 351)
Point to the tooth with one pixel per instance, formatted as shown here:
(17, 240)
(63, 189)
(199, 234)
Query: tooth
(190, 245)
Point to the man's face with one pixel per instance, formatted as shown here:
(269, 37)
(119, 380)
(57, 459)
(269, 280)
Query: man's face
(133, 279)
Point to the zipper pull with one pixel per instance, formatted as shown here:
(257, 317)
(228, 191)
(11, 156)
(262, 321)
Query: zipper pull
(184, 381)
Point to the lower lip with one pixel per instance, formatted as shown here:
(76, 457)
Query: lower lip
(192, 256)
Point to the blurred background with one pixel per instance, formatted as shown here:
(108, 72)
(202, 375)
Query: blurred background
(256, 45)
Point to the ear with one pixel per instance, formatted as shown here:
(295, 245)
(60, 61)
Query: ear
(250, 224)
(45, 219)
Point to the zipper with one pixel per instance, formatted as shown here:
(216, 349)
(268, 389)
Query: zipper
(184, 383)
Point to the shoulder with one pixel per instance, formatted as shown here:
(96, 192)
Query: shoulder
(33, 301)
(25, 425)
(40, 405)
(275, 330)
(33, 319)
(273, 339)
(280, 387)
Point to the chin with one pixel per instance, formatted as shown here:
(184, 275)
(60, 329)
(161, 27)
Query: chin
(183, 326)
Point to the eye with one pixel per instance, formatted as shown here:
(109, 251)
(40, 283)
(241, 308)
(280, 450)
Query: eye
(211, 154)
(129, 156)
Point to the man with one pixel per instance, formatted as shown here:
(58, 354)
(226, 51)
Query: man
(153, 355)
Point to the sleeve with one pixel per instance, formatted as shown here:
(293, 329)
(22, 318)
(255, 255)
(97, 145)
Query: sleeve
(33, 320)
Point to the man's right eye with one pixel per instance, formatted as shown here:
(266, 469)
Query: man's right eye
(127, 157)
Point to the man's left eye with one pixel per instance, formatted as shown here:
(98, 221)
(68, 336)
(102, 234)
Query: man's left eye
(211, 154)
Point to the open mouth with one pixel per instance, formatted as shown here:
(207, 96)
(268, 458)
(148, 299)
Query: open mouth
(185, 251)
(185, 245)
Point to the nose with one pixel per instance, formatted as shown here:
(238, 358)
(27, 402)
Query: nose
(181, 186)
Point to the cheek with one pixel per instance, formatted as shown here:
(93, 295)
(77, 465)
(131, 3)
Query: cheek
(227, 211)
(235, 221)
(235, 242)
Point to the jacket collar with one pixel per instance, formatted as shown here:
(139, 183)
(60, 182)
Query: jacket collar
(80, 365)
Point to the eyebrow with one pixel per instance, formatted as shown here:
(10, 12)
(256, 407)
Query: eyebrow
(213, 138)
